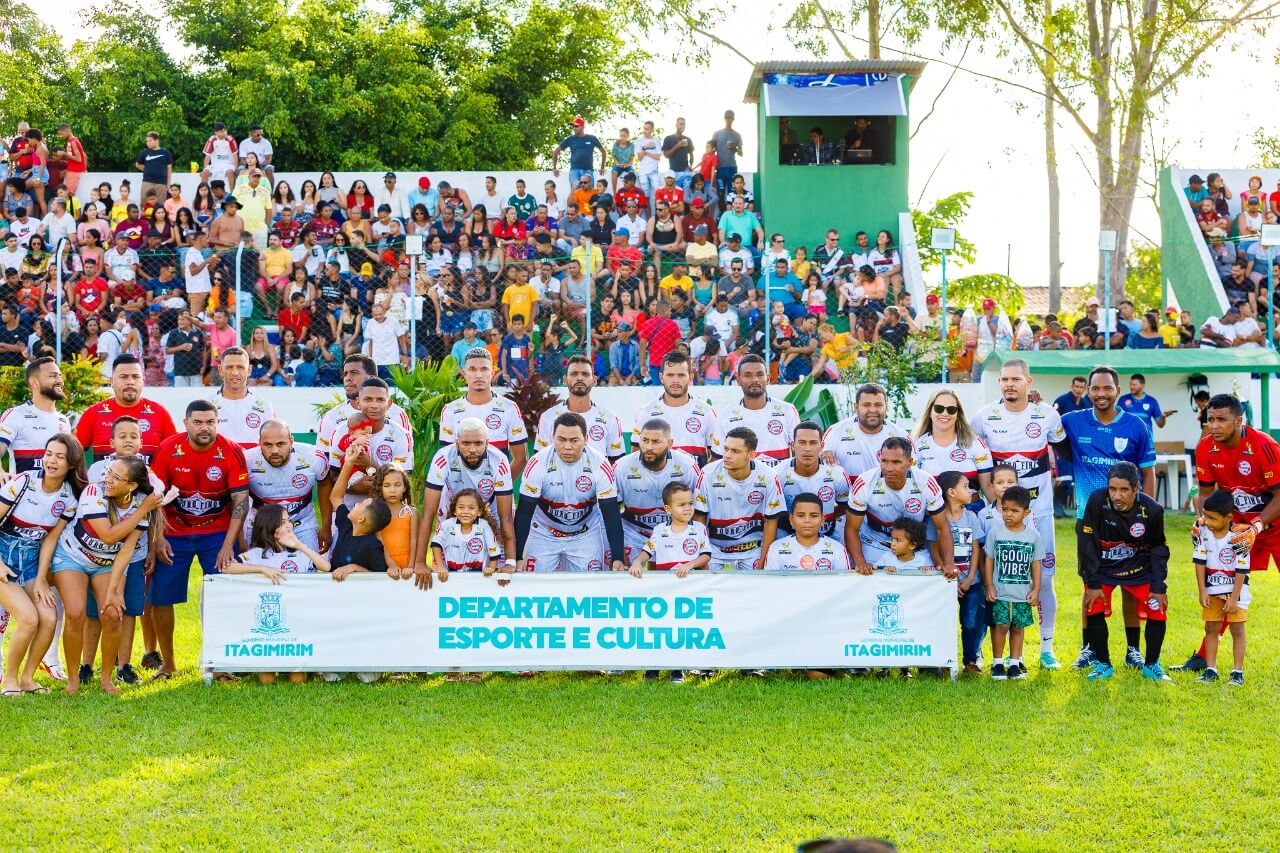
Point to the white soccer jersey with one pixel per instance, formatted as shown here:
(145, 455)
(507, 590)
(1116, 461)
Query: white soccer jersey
(33, 512)
(856, 451)
(25, 430)
(240, 420)
(290, 486)
(389, 445)
(829, 483)
(1022, 439)
(221, 150)
(1222, 562)
(772, 425)
(466, 552)
(80, 543)
(567, 492)
(293, 562)
(691, 425)
(668, 549)
(825, 555)
(604, 430)
(500, 415)
(98, 471)
(736, 509)
(881, 506)
(342, 413)
(640, 491)
(970, 460)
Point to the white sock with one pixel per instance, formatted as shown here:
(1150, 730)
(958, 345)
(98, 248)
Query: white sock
(4, 626)
(1015, 661)
(53, 656)
(1048, 611)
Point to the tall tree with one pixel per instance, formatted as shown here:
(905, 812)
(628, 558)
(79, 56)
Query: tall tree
(32, 64)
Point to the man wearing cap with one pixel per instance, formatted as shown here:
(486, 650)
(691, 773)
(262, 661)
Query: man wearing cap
(255, 207)
(699, 215)
(671, 194)
(581, 146)
(225, 231)
(733, 251)
(389, 195)
(630, 192)
(117, 260)
(1249, 223)
(678, 149)
(426, 196)
(624, 358)
(700, 251)
(622, 250)
(1196, 191)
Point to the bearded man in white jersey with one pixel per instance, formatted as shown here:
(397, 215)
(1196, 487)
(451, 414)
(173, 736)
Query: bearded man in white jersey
(739, 500)
(854, 443)
(604, 430)
(642, 476)
(892, 490)
(691, 421)
(1019, 432)
(241, 412)
(806, 473)
(285, 473)
(501, 417)
(557, 523)
(771, 420)
(469, 463)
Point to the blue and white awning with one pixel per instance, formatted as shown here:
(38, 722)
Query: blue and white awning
(862, 94)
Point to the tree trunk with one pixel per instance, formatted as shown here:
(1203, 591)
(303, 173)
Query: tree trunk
(873, 29)
(1051, 167)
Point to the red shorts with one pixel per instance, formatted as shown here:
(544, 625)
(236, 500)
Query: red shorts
(1265, 550)
(1148, 608)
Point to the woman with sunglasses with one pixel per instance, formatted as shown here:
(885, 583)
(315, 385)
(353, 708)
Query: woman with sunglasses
(945, 442)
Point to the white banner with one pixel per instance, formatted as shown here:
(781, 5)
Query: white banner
(577, 621)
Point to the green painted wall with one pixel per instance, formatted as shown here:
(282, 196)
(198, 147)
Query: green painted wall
(802, 202)
(1181, 264)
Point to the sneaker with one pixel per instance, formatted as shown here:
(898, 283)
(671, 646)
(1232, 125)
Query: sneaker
(755, 673)
(1237, 678)
(1133, 658)
(56, 672)
(1101, 671)
(1048, 661)
(651, 675)
(973, 669)
(85, 673)
(998, 672)
(1018, 671)
(331, 676)
(368, 677)
(1155, 672)
(677, 676)
(128, 675)
(1195, 663)
(1086, 659)
(152, 660)
(1210, 675)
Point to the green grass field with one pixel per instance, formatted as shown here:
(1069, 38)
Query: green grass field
(577, 762)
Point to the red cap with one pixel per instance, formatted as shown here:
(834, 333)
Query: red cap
(424, 183)
(578, 121)
(698, 202)
(988, 303)
(931, 299)
(1171, 311)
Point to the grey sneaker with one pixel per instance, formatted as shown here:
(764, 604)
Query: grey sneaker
(1209, 676)
(128, 675)
(1237, 678)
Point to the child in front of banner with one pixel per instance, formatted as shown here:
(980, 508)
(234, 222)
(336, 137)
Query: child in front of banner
(465, 542)
(807, 550)
(1222, 575)
(1011, 576)
(908, 547)
(276, 552)
(967, 536)
(680, 546)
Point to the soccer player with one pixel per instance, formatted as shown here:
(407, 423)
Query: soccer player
(205, 520)
(643, 478)
(1142, 405)
(854, 443)
(691, 421)
(771, 420)
(388, 443)
(500, 416)
(27, 428)
(1097, 438)
(557, 525)
(95, 427)
(1019, 432)
(1222, 575)
(469, 463)
(1121, 543)
(1241, 460)
(739, 500)
(241, 412)
(806, 473)
(285, 474)
(1011, 575)
(604, 430)
(892, 490)
(807, 549)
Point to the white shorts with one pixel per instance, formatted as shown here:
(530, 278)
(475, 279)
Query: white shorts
(743, 564)
(545, 552)
(874, 555)
(1044, 526)
(632, 543)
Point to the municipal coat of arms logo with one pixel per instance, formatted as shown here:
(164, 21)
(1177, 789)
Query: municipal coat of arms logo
(269, 614)
(888, 615)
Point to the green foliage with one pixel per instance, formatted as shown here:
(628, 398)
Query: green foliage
(533, 398)
(946, 212)
(1144, 285)
(424, 391)
(324, 406)
(898, 371)
(81, 383)
(968, 291)
(33, 63)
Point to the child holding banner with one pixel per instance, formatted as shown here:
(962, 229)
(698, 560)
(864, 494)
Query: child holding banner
(808, 549)
(465, 542)
(908, 547)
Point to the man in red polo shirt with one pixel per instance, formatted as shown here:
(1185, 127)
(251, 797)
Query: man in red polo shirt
(94, 427)
(658, 336)
(1245, 462)
(203, 521)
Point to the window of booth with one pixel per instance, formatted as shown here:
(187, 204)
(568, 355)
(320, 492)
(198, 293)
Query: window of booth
(836, 140)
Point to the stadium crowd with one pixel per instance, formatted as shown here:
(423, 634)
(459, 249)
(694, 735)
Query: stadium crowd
(89, 552)
(665, 244)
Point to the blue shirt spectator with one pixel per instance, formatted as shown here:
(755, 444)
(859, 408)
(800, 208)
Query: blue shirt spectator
(425, 195)
(1143, 405)
(624, 356)
(463, 346)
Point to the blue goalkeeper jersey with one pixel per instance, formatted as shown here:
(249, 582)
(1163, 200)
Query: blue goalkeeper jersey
(1096, 446)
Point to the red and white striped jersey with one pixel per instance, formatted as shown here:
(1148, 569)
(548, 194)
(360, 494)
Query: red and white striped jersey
(240, 420)
(668, 549)
(1022, 439)
(291, 486)
(342, 413)
(857, 452)
(466, 551)
(604, 430)
(825, 555)
(880, 505)
(640, 489)
(25, 430)
(33, 512)
(691, 425)
(568, 492)
(772, 425)
(736, 509)
(500, 415)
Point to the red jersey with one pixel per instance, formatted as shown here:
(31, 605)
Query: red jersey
(661, 335)
(94, 427)
(290, 232)
(624, 195)
(1250, 470)
(91, 294)
(674, 196)
(76, 160)
(206, 480)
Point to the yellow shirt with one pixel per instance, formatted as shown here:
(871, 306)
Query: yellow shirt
(254, 204)
(671, 283)
(838, 350)
(579, 254)
(706, 254)
(278, 261)
(521, 299)
(1172, 339)
(119, 212)
(801, 269)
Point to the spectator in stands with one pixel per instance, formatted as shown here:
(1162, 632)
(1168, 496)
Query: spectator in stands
(733, 251)
(1249, 222)
(781, 285)
(1218, 191)
(1148, 337)
(888, 264)
(1248, 333)
(634, 223)
(1220, 332)
(1196, 191)
(895, 328)
(818, 151)
(1054, 337)
(1239, 287)
(1223, 254)
(740, 222)
(1212, 224)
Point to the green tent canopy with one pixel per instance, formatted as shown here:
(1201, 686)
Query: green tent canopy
(1188, 361)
